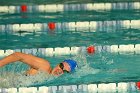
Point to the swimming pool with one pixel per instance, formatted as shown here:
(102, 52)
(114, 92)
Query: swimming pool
(113, 29)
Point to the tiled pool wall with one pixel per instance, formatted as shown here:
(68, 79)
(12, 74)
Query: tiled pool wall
(112, 25)
(122, 87)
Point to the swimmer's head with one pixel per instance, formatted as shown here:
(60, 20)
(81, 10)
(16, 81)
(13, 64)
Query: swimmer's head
(66, 66)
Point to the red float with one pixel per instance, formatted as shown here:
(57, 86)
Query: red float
(138, 85)
(51, 25)
(23, 8)
(91, 49)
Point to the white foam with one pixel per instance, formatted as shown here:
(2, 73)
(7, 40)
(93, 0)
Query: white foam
(84, 70)
(20, 80)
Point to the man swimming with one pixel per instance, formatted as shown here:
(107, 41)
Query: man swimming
(39, 64)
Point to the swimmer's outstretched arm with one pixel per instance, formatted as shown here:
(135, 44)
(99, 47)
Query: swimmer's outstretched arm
(36, 63)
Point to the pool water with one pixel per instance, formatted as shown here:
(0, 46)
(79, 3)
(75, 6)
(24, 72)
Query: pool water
(104, 66)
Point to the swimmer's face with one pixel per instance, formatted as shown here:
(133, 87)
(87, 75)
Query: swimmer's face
(61, 69)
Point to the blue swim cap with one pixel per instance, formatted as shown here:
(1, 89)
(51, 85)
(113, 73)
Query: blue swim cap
(72, 64)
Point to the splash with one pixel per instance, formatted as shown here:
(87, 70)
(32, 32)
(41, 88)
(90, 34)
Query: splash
(84, 71)
(84, 67)
(18, 79)
(11, 79)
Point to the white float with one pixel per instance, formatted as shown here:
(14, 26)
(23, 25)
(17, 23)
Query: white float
(66, 89)
(16, 27)
(62, 51)
(51, 8)
(89, 6)
(135, 23)
(49, 51)
(8, 52)
(41, 8)
(108, 6)
(4, 9)
(122, 87)
(92, 88)
(60, 7)
(74, 88)
(43, 89)
(107, 88)
(52, 89)
(12, 9)
(126, 23)
(75, 50)
(2, 28)
(37, 26)
(126, 48)
(114, 48)
(1, 52)
(136, 5)
(12, 90)
(137, 48)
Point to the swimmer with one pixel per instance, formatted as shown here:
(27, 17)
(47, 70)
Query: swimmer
(39, 64)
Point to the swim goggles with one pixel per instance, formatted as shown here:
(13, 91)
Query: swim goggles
(61, 65)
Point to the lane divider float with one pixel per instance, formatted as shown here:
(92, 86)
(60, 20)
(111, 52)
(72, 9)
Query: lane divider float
(88, 26)
(122, 49)
(70, 7)
(90, 88)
